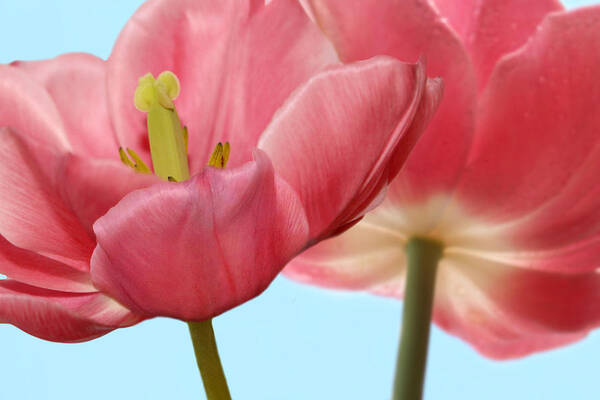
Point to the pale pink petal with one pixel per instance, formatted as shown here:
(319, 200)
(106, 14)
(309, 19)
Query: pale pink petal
(77, 85)
(34, 269)
(91, 186)
(366, 256)
(33, 215)
(60, 316)
(409, 30)
(523, 250)
(195, 249)
(491, 28)
(237, 62)
(27, 107)
(538, 139)
(335, 138)
(507, 312)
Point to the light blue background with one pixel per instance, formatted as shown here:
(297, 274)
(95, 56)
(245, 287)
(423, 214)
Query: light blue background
(293, 342)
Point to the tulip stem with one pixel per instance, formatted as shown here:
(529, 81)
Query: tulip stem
(423, 256)
(207, 358)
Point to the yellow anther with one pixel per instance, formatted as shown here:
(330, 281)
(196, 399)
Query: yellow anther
(185, 138)
(219, 156)
(140, 165)
(137, 164)
(163, 90)
(226, 151)
(124, 159)
(213, 161)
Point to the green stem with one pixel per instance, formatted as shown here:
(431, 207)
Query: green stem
(423, 256)
(209, 363)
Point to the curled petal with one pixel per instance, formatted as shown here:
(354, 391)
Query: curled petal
(76, 84)
(195, 249)
(335, 139)
(34, 269)
(237, 62)
(408, 31)
(33, 215)
(60, 316)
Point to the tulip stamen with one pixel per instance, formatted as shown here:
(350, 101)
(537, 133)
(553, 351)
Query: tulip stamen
(220, 155)
(137, 164)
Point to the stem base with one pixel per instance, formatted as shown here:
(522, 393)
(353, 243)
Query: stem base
(423, 256)
(209, 363)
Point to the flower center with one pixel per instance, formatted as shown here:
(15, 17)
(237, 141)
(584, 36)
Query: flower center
(167, 136)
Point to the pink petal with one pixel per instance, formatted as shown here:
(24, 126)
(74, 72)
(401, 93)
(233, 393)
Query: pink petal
(34, 269)
(91, 187)
(27, 107)
(364, 257)
(409, 30)
(195, 249)
(538, 139)
(77, 85)
(335, 138)
(60, 316)
(237, 62)
(509, 312)
(32, 214)
(492, 28)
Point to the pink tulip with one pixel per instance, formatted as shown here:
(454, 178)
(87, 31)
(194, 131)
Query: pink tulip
(89, 245)
(506, 175)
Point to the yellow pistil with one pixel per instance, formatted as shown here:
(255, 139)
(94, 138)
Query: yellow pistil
(168, 138)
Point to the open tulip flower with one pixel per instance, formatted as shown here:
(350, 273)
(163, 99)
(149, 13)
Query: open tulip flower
(504, 184)
(91, 243)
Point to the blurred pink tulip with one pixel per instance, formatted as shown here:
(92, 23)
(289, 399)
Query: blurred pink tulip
(506, 175)
(314, 144)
